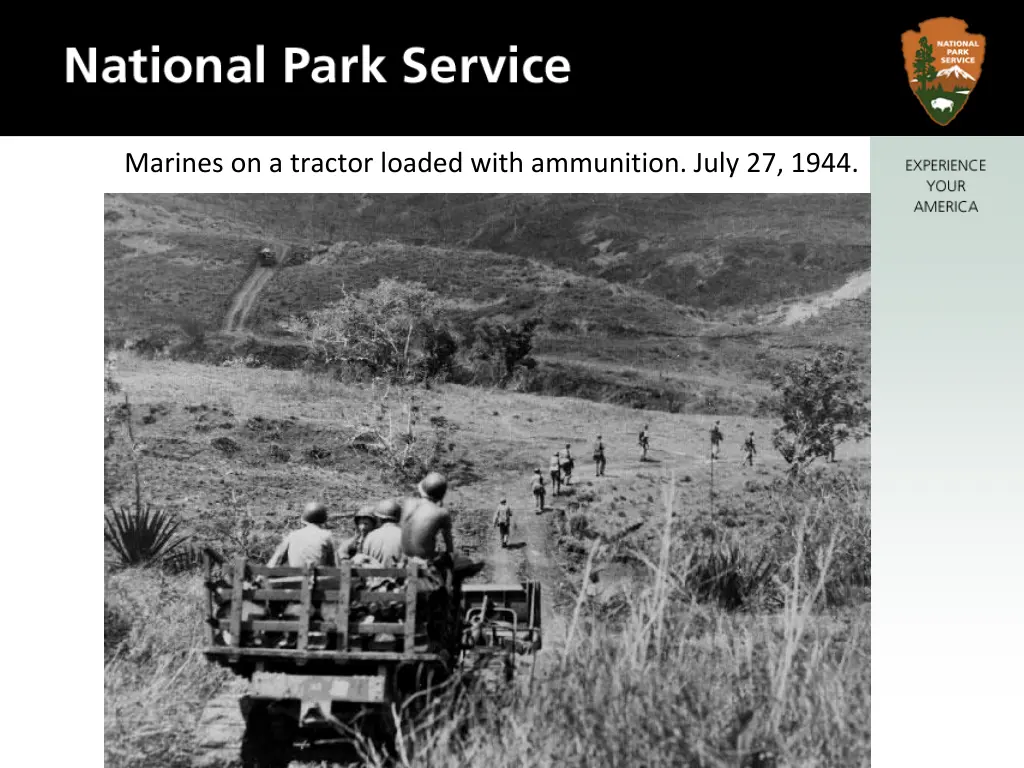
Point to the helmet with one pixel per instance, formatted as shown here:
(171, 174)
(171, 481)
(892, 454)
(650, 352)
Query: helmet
(434, 486)
(367, 511)
(315, 512)
(388, 510)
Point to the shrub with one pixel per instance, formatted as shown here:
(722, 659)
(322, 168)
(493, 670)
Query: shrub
(499, 351)
(579, 526)
(822, 404)
(395, 331)
(834, 519)
(194, 330)
(729, 575)
(138, 534)
(389, 430)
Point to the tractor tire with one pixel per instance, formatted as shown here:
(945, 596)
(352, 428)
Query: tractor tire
(268, 738)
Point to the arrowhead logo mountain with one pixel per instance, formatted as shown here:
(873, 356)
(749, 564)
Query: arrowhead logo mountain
(943, 64)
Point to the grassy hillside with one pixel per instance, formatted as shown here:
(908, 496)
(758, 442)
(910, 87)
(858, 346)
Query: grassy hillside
(709, 251)
(652, 301)
(233, 453)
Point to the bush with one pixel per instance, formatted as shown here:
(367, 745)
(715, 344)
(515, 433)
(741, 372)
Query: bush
(396, 331)
(194, 329)
(833, 520)
(579, 526)
(499, 353)
(727, 574)
(390, 430)
(822, 403)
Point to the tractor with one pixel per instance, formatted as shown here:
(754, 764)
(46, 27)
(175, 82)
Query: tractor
(321, 654)
(266, 257)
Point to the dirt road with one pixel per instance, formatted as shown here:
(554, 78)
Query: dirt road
(528, 557)
(632, 484)
(853, 288)
(246, 297)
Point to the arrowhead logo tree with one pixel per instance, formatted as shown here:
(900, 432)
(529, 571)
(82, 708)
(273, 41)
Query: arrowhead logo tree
(943, 64)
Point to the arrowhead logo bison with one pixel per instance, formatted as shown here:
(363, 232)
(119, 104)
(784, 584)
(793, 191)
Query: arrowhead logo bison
(943, 63)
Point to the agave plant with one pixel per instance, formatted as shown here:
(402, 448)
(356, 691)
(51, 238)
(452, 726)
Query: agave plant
(189, 557)
(729, 574)
(142, 536)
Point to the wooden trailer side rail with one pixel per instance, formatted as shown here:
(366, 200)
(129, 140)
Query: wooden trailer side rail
(314, 591)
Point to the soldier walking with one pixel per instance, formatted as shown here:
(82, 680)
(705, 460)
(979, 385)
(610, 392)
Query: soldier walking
(748, 446)
(599, 460)
(716, 439)
(567, 465)
(555, 469)
(644, 442)
(538, 490)
(503, 519)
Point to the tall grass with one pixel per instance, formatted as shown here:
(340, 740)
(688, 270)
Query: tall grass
(672, 682)
(681, 684)
(155, 679)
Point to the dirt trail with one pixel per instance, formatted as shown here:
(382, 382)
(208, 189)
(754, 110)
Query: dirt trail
(805, 310)
(531, 550)
(246, 297)
(530, 554)
(528, 557)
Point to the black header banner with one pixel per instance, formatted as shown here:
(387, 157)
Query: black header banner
(630, 70)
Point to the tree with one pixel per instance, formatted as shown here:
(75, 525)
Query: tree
(822, 405)
(508, 347)
(924, 64)
(391, 330)
(439, 349)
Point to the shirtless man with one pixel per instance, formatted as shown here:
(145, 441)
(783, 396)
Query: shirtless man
(423, 517)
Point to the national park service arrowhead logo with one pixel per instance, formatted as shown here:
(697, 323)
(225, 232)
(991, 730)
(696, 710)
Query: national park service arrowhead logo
(943, 64)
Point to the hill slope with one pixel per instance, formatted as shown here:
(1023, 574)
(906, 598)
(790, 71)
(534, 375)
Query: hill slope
(233, 454)
(709, 251)
(659, 301)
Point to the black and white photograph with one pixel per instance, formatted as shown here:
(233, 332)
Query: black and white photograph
(495, 480)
